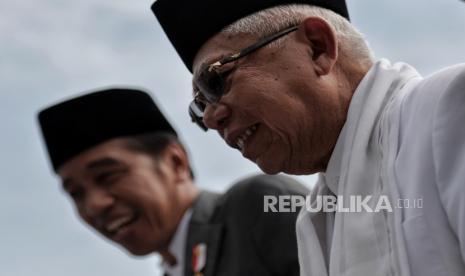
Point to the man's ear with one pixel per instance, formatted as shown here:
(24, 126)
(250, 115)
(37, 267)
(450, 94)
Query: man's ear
(176, 158)
(322, 41)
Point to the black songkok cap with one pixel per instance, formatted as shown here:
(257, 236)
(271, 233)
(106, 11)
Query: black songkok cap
(190, 23)
(73, 126)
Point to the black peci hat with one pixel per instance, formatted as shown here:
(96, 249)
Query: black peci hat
(73, 126)
(189, 24)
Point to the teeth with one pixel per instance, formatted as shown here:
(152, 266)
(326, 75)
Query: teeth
(240, 143)
(114, 225)
(243, 137)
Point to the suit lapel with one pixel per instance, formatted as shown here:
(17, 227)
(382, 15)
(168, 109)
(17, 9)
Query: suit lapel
(202, 230)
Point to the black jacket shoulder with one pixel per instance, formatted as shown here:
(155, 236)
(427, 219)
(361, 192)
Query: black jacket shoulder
(270, 235)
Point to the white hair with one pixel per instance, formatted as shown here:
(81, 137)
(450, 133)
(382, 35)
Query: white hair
(352, 45)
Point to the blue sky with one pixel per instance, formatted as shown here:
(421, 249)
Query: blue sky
(53, 49)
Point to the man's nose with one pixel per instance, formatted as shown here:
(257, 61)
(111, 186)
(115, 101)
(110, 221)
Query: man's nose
(216, 116)
(98, 202)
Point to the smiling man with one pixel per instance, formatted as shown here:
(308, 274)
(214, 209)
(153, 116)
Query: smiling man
(130, 179)
(294, 87)
(291, 121)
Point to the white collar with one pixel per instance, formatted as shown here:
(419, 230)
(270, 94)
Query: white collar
(177, 246)
(361, 170)
(333, 170)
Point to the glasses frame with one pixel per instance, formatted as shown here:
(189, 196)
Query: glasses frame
(202, 97)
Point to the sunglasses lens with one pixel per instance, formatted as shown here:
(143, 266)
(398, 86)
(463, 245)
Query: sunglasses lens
(211, 85)
(197, 108)
(196, 114)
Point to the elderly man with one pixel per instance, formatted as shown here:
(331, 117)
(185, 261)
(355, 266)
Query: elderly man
(293, 86)
(130, 179)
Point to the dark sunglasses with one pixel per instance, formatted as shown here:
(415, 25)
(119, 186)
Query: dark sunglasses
(211, 81)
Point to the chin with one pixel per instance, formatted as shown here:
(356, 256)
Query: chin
(283, 167)
(302, 170)
(269, 168)
(138, 250)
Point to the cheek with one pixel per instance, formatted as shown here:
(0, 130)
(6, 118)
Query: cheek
(150, 197)
(274, 102)
(286, 117)
(141, 197)
(81, 214)
(292, 133)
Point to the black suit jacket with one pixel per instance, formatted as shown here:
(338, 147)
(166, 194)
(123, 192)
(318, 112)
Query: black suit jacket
(241, 238)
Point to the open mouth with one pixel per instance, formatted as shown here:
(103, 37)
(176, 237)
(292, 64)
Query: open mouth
(244, 137)
(119, 225)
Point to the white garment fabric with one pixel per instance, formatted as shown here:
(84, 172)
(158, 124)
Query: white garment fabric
(178, 246)
(381, 152)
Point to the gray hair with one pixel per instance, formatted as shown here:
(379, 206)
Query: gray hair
(352, 45)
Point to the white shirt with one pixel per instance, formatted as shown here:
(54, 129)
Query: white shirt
(178, 246)
(405, 138)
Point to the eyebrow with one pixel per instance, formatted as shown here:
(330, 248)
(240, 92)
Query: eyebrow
(206, 64)
(94, 165)
(103, 163)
